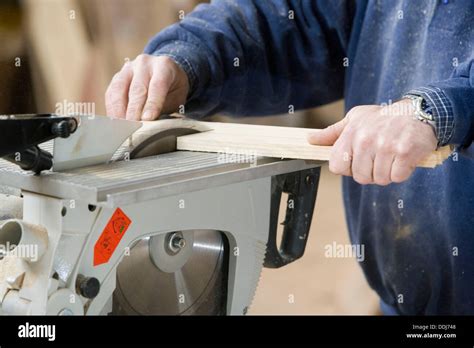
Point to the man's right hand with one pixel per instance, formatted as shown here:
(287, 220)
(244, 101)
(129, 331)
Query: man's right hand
(146, 88)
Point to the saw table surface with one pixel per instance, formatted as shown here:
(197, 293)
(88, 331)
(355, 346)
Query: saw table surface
(125, 182)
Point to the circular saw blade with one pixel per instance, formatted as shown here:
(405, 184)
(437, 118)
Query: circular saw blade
(154, 281)
(144, 288)
(161, 142)
(156, 138)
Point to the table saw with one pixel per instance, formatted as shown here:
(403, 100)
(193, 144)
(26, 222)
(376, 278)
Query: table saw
(105, 222)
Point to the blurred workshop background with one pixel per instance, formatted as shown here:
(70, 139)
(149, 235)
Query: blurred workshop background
(56, 51)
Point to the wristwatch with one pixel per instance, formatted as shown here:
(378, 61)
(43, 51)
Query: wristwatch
(422, 110)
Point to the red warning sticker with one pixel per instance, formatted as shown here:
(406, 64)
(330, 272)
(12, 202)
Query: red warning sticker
(111, 237)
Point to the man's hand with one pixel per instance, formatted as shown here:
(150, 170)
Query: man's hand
(146, 88)
(377, 145)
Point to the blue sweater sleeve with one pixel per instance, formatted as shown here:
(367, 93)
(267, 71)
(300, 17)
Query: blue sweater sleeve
(452, 104)
(246, 57)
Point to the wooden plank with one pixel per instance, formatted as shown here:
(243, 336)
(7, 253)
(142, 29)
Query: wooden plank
(270, 141)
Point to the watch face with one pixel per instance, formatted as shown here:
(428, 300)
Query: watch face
(423, 104)
(427, 110)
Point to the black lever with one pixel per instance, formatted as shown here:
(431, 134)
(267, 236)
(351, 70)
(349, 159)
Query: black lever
(20, 136)
(33, 158)
(302, 188)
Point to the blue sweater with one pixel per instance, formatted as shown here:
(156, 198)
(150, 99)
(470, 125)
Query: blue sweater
(259, 57)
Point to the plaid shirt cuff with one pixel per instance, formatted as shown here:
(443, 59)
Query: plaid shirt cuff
(440, 107)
